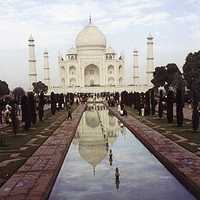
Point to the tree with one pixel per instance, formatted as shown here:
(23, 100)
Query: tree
(172, 72)
(4, 90)
(166, 76)
(159, 76)
(39, 87)
(191, 72)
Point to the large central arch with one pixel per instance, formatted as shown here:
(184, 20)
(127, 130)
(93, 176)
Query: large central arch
(91, 75)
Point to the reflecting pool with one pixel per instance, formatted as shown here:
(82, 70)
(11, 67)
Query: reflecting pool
(100, 146)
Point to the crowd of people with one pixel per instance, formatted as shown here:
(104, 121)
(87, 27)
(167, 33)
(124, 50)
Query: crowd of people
(29, 108)
(114, 100)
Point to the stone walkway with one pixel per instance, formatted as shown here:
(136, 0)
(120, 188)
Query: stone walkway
(34, 180)
(187, 111)
(182, 163)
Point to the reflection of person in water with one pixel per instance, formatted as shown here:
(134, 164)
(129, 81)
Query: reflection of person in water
(107, 146)
(110, 157)
(117, 182)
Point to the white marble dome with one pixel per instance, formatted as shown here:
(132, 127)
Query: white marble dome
(90, 36)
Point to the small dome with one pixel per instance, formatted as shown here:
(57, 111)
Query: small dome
(150, 37)
(110, 50)
(31, 38)
(72, 51)
(46, 52)
(90, 36)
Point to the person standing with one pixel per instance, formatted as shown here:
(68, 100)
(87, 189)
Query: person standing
(53, 103)
(1, 110)
(26, 112)
(32, 104)
(7, 113)
(41, 106)
(69, 116)
(13, 116)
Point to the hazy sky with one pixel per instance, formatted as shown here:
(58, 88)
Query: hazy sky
(54, 25)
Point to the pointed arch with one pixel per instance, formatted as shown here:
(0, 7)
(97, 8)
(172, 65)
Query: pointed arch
(72, 70)
(111, 81)
(110, 69)
(72, 82)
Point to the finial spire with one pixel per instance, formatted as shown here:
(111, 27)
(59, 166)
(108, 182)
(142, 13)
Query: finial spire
(90, 19)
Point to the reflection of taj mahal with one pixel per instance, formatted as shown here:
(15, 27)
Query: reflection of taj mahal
(92, 137)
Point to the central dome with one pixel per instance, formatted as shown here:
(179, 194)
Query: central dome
(90, 36)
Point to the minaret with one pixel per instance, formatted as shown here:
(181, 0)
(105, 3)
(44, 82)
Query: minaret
(32, 63)
(46, 69)
(150, 60)
(90, 19)
(135, 68)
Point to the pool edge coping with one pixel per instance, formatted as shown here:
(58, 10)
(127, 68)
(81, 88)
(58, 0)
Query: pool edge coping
(12, 187)
(185, 178)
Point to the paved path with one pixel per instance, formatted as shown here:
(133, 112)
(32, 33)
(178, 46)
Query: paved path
(187, 111)
(182, 163)
(36, 177)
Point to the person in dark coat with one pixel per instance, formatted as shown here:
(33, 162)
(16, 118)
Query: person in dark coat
(32, 107)
(53, 103)
(170, 102)
(69, 112)
(13, 116)
(41, 106)
(1, 109)
(26, 112)
(23, 107)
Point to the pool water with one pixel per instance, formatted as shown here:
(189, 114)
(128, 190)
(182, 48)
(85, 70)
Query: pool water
(88, 172)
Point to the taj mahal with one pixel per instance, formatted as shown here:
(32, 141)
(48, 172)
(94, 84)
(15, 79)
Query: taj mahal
(92, 66)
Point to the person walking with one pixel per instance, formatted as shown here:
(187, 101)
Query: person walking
(53, 103)
(69, 116)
